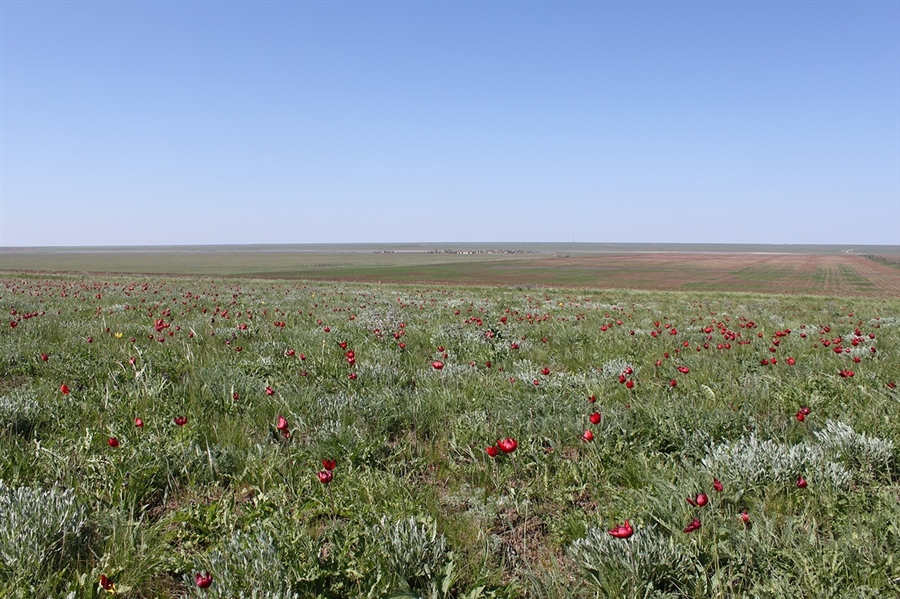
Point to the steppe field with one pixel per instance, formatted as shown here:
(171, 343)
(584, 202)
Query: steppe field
(466, 421)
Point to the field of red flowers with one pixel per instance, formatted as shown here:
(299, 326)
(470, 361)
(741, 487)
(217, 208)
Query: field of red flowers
(170, 437)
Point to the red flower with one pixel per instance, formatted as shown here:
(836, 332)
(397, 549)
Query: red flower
(180, 420)
(106, 583)
(507, 445)
(702, 500)
(592, 398)
(622, 532)
(282, 423)
(203, 580)
(673, 383)
(801, 482)
(745, 518)
(545, 371)
(595, 418)
(492, 451)
(45, 357)
(717, 485)
(325, 476)
(801, 416)
(629, 384)
(329, 464)
(64, 389)
(113, 442)
(139, 423)
(791, 361)
(270, 391)
(587, 436)
(437, 365)
(683, 369)
(694, 525)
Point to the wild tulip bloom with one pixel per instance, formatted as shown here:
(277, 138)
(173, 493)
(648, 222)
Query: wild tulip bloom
(623, 531)
(717, 485)
(139, 423)
(180, 420)
(595, 418)
(329, 464)
(587, 436)
(801, 483)
(492, 451)
(64, 389)
(113, 442)
(282, 423)
(507, 445)
(694, 525)
(437, 365)
(325, 476)
(203, 580)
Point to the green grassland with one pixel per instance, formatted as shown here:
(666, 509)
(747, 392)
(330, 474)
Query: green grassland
(416, 506)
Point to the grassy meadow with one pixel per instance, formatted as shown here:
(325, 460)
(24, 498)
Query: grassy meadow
(173, 436)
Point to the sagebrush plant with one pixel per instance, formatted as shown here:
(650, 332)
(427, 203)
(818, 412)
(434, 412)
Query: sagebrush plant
(40, 532)
(164, 428)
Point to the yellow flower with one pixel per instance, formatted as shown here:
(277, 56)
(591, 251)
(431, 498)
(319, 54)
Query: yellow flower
(118, 335)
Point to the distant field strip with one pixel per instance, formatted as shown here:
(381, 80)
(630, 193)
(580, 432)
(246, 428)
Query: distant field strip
(814, 273)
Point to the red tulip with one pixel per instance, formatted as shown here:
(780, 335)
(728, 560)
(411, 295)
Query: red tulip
(282, 423)
(106, 583)
(801, 482)
(492, 451)
(702, 500)
(325, 476)
(507, 445)
(801, 416)
(805, 411)
(717, 485)
(545, 371)
(745, 518)
(629, 384)
(270, 391)
(592, 398)
(622, 532)
(180, 420)
(139, 423)
(437, 365)
(45, 357)
(673, 383)
(683, 369)
(329, 464)
(113, 442)
(587, 436)
(64, 389)
(595, 418)
(694, 525)
(791, 361)
(203, 580)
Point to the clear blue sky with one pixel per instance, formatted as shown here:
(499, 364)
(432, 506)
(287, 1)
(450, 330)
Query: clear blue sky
(300, 122)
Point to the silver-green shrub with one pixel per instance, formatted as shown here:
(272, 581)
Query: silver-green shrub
(38, 528)
(649, 564)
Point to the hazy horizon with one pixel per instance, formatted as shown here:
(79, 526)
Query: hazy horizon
(186, 123)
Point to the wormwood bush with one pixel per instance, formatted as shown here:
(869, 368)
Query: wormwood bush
(37, 528)
(649, 564)
(246, 565)
(20, 413)
(749, 461)
(858, 449)
(417, 555)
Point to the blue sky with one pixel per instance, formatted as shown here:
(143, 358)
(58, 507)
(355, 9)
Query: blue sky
(306, 122)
